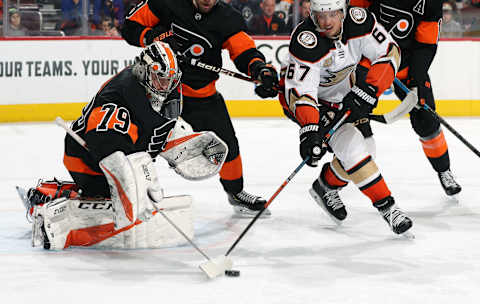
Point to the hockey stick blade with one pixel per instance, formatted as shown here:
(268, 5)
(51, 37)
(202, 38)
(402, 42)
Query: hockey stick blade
(401, 110)
(216, 267)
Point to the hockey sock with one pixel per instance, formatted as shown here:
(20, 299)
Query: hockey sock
(368, 179)
(330, 177)
(436, 149)
(231, 175)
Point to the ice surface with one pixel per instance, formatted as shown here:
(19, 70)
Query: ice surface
(296, 256)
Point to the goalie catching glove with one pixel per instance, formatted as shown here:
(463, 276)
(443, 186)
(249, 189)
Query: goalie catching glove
(194, 155)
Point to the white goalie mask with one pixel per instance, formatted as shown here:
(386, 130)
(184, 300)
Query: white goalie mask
(158, 71)
(330, 7)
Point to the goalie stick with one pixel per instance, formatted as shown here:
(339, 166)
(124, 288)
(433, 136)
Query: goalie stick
(442, 121)
(404, 108)
(212, 268)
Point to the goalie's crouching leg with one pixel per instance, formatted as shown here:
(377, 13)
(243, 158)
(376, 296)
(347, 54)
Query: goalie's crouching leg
(64, 223)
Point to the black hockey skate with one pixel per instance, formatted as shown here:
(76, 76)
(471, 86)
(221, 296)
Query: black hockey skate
(449, 184)
(329, 200)
(247, 205)
(398, 221)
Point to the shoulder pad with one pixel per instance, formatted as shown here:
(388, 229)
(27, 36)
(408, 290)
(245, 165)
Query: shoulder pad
(358, 22)
(307, 43)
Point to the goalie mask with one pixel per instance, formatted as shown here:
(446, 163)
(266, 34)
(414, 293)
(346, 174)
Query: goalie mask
(157, 70)
(328, 16)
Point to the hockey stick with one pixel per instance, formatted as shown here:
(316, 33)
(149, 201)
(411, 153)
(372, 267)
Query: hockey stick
(197, 63)
(211, 268)
(407, 104)
(442, 121)
(404, 108)
(289, 178)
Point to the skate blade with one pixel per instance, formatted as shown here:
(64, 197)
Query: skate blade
(244, 212)
(408, 235)
(23, 196)
(455, 198)
(318, 200)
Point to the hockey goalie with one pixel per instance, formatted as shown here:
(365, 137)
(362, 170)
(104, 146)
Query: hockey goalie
(116, 197)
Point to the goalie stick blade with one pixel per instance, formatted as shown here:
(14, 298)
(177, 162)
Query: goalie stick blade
(216, 267)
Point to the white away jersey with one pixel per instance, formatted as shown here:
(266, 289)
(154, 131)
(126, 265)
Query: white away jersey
(322, 68)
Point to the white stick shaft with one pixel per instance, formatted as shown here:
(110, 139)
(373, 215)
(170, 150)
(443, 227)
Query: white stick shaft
(60, 122)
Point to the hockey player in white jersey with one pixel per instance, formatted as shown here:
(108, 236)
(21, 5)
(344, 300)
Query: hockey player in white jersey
(320, 86)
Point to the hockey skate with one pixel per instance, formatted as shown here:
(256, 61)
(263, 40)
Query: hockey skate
(247, 205)
(449, 184)
(329, 200)
(398, 221)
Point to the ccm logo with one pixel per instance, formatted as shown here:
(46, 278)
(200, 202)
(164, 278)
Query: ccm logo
(59, 210)
(95, 206)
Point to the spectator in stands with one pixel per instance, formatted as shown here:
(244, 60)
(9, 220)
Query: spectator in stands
(248, 8)
(450, 27)
(1, 12)
(115, 9)
(304, 13)
(71, 22)
(16, 28)
(267, 23)
(471, 18)
(108, 29)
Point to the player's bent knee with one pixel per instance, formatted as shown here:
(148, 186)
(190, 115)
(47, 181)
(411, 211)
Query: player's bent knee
(423, 123)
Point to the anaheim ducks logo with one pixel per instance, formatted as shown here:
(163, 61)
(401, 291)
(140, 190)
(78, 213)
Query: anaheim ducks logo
(336, 77)
(358, 15)
(307, 39)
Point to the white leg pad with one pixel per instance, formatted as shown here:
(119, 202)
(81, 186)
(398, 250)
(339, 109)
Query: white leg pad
(89, 223)
(130, 178)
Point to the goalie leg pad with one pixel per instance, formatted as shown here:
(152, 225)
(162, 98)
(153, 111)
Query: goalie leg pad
(59, 223)
(62, 223)
(194, 155)
(130, 179)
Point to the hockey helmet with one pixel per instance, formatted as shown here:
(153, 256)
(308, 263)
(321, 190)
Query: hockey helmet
(326, 6)
(158, 71)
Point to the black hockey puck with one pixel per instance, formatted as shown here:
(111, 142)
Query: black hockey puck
(232, 273)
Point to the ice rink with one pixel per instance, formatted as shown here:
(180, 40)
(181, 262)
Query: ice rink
(296, 256)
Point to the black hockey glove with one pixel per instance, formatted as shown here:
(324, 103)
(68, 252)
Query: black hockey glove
(361, 100)
(311, 144)
(158, 33)
(268, 77)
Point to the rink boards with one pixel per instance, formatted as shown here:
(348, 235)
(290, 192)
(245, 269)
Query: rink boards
(44, 78)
